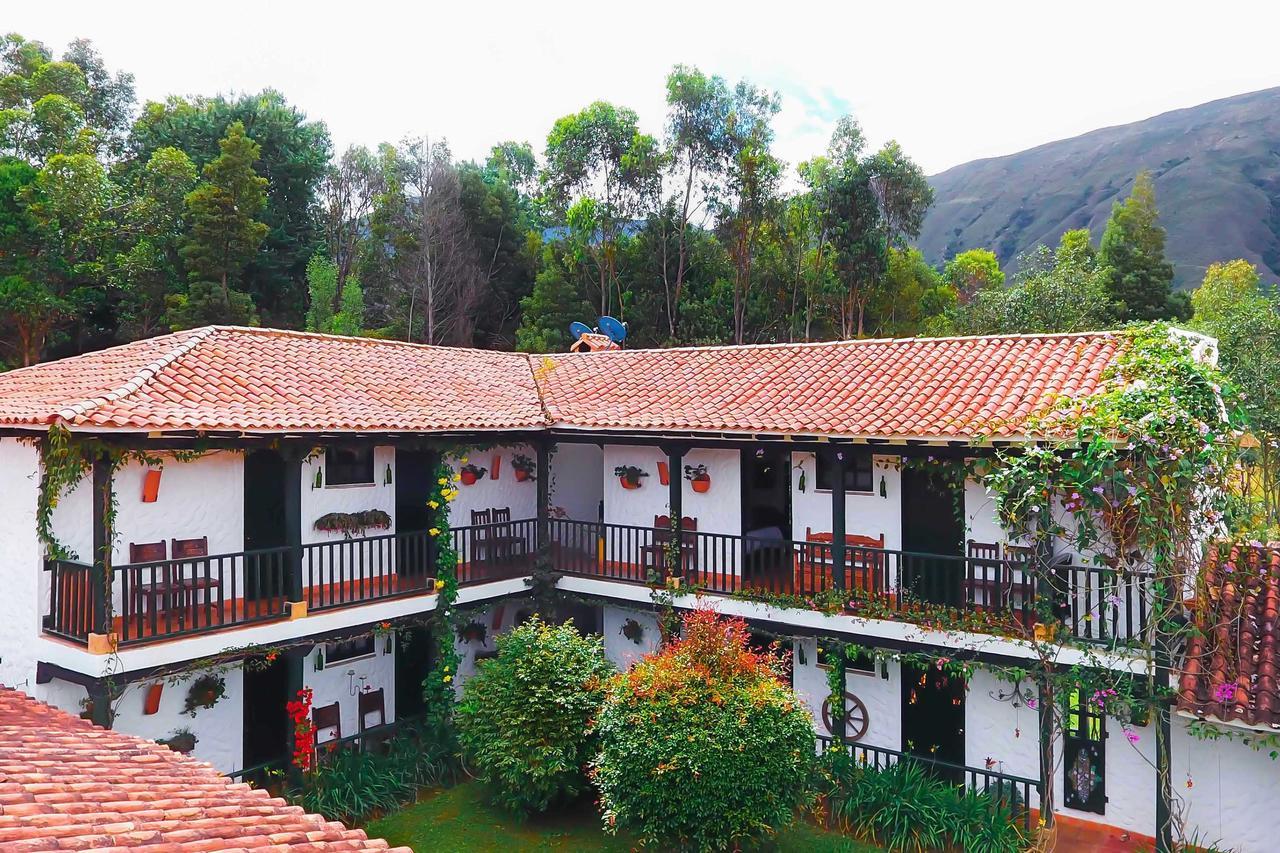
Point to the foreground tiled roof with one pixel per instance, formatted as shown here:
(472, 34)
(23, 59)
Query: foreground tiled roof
(934, 388)
(226, 378)
(66, 784)
(1233, 658)
(261, 380)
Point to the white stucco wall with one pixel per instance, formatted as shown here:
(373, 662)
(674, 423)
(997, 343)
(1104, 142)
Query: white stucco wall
(22, 603)
(621, 651)
(882, 697)
(866, 513)
(336, 681)
(219, 730)
(352, 498)
(487, 493)
(719, 510)
(577, 477)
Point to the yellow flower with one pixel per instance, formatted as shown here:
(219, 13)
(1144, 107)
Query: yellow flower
(433, 504)
(442, 481)
(465, 460)
(439, 584)
(457, 477)
(435, 531)
(448, 678)
(447, 668)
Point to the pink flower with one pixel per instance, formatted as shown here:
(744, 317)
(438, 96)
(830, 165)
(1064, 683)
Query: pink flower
(1132, 736)
(1224, 693)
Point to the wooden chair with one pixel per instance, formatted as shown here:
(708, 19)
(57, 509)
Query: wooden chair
(153, 584)
(193, 549)
(986, 575)
(493, 537)
(372, 702)
(865, 562)
(327, 717)
(654, 555)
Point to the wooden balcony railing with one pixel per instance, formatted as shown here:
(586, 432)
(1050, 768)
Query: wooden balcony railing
(174, 598)
(1095, 604)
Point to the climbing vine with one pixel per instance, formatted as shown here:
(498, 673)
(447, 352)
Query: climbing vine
(438, 688)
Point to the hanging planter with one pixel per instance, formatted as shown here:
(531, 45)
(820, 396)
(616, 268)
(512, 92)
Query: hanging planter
(205, 692)
(471, 473)
(353, 524)
(633, 631)
(473, 632)
(629, 476)
(697, 475)
(181, 740)
(524, 468)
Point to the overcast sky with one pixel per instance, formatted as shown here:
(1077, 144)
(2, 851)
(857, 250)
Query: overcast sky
(951, 81)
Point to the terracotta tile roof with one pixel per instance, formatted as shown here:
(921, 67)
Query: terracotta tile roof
(936, 388)
(261, 380)
(1232, 667)
(66, 784)
(225, 378)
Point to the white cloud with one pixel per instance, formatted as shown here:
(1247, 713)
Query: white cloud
(950, 81)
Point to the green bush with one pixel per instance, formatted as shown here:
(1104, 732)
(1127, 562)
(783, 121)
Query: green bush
(525, 718)
(903, 808)
(703, 746)
(350, 784)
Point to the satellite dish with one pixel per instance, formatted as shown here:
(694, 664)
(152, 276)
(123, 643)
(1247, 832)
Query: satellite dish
(579, 329)
(616, 330)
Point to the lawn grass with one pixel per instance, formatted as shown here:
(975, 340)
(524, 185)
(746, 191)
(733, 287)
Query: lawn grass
(459, 819)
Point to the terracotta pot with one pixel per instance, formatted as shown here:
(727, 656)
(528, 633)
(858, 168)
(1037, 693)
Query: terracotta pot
(152, 703)
(701, 483)
(521, 475)
(629, 484)
(468, 478)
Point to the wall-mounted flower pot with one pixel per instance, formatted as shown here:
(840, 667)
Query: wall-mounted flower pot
(468, 479)
(470, 474)
(151, 486)
(521, 476)
(630, 476)
(152, 703)
(701, 484)
(629, 484)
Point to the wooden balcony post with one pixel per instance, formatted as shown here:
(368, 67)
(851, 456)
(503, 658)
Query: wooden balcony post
(294, 683)
(837, 462)
(433, 515)
(544, 446)
(293, 458)
(675, 505)
(100, 585)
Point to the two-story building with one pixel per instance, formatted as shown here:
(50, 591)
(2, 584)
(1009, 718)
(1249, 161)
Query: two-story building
(254, 510)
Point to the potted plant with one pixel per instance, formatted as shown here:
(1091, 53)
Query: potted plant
(698, 476)
(471, 473)
(180, 740)
(524, 467)
(353, 524)
(205, 692)
(629, 476)
(473, 631)
(633, 631)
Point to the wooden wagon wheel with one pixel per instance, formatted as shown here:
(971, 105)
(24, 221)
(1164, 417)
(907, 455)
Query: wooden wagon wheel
(856, 717)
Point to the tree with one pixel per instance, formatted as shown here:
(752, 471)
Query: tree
(858, 240)
(347, 193)
(749, 196)
(514, 164)
(526, 720)
(972, 271)
(294, 155)
(599, 156)
(1141, 280)
(902, 193)
(558, 299)
(1066, 290)
(499, 218)
(731, 743)
(224, 234)
(322, 282)
(698, 144)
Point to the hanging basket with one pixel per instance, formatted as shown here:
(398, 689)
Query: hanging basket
(630, 476)
(470, 474)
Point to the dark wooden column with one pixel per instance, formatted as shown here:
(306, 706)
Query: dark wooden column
(293, 662)
(1163, 660)
(838, 464)
(100, 589)
(544, 446)
(1044, 709)
(100, 698)
(433, 515)
(293, 456)
(675, 505)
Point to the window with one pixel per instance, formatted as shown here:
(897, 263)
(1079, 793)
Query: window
(864, 662)
(358, 647)
(346, 466)
(857, 472)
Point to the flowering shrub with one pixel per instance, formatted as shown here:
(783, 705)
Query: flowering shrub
(304, 731)
(525, 720)
(703, 746)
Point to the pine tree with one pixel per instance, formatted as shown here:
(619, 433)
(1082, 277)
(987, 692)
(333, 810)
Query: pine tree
(224, 234)
(1133, 248)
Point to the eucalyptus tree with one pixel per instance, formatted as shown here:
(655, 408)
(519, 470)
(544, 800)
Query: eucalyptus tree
(601, 171)
(346, 193)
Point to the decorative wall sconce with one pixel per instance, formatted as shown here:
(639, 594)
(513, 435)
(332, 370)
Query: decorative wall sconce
(884, 493)
(386, 477)
(319, 661)
(351, 682)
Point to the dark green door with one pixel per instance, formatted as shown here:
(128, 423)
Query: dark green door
(932, 538)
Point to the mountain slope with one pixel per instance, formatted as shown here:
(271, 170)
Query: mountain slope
(1217, 176)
